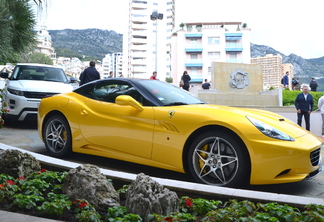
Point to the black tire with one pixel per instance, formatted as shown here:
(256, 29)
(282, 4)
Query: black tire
(218, 158)
(57, 136)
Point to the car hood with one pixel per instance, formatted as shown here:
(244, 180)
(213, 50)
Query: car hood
(40, 86)
(237, 117)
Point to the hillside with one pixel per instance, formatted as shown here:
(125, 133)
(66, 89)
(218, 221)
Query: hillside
(97, 43)
(87, 42)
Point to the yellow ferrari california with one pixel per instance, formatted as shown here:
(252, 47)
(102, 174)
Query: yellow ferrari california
(157, 124)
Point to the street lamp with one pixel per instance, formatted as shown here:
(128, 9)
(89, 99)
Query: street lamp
(154, 17)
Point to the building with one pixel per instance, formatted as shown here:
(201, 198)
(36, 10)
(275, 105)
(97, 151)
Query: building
(196, 45)
(273, 70)
(146, 47)
(44, 43)
(112, 62)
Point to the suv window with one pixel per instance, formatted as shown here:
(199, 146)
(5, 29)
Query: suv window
(39, 73)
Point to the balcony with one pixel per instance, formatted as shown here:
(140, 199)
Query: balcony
(138, 62)
(194, 63)
(136, 54)
(139, 40)
(193, 35)
(139, 33)
(197, 48)
(139, 26)
(140, 18)
(139, 69)
(232, 47)
(139, 5)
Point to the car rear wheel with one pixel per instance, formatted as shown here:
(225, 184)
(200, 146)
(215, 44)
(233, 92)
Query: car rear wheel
(57, 136)
(217, 158)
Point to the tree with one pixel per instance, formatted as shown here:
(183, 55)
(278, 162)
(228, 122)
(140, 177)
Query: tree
(17, 21)
(37, 57)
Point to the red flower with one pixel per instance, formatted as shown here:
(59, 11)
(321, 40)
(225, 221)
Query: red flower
(82, 204)
(168, 219)
(188, 202)
(1, 186)
(43, 170)
(21, 178)
(9, 182)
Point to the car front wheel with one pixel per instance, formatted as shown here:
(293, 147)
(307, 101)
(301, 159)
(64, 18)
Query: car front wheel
(57, 136)
(218, 158)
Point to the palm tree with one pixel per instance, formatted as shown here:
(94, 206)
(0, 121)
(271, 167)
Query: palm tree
(17, 22)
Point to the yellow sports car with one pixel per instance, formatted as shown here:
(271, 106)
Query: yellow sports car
(157, 124)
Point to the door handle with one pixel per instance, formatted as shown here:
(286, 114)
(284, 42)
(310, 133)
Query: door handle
(84, 112)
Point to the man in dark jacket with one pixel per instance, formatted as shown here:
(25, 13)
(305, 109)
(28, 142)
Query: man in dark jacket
(89, 74)
(304, 104)
(313, 85)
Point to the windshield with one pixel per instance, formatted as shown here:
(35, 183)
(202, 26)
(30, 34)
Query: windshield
(29, 72)
(169, 94)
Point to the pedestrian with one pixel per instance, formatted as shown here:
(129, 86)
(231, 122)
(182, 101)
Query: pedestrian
(313, 85)
(89, 74)
(297, 87)
(154, 76)
(205, 85)
(304, 104)
(293, 83)
(111, 74)
(286, 80)
(186, 78)
(321, 107)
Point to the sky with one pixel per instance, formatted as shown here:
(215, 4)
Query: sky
(288, 26)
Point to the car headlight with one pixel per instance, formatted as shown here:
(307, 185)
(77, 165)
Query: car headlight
(16, 92)
(269, 130)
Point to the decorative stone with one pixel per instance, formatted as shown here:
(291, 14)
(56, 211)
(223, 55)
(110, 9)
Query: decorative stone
(145, 196)
(18, 164)
(87, 182)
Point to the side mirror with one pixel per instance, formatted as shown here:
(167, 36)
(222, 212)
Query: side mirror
(73, 80)
(4, 75)
(126, 100)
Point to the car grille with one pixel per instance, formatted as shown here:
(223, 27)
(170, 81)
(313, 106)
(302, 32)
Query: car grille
(315, 157)
(38, 95)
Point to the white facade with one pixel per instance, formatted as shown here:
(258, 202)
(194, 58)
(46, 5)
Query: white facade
(146, 46)
(112, 62)
(197, 45)
(44, 43)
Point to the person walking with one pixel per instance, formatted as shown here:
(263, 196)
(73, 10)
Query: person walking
(186, 78)
(313, 85)
(304, 104)
(89, 74)
(320, 105)
(286, 80)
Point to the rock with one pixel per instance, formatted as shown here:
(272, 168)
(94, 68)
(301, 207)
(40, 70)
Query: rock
(145, 196)
(87, 182)
(18, 164)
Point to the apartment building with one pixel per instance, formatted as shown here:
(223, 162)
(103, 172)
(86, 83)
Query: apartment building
(273, 70)
(112, 62)
(197, 45)
(146, 46)
(44, 43)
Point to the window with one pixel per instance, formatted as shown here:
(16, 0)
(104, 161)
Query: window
(213, 40)
(214, 55)
(193, 56)
(233, 56)
(109, 91)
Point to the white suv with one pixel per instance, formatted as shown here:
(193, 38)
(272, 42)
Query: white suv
(28, 84)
